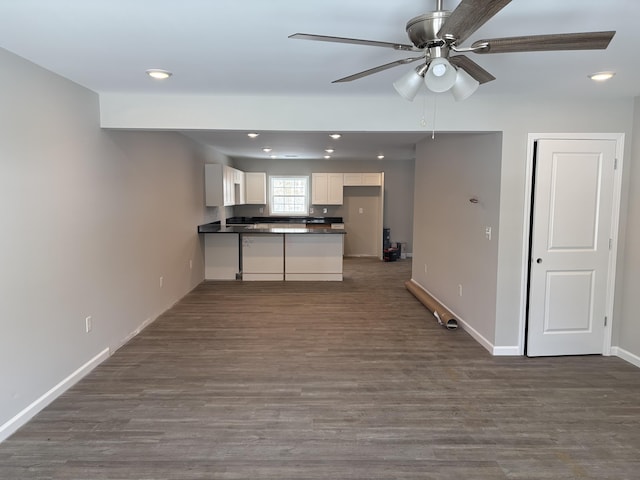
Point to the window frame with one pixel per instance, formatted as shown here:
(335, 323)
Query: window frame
(307, 192)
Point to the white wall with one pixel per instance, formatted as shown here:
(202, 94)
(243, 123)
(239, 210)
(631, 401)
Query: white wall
(627, 335)
(514, 116)
(449, 230)
(90, 221)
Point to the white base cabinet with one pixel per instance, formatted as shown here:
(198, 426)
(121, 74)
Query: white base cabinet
(273, 256)
(262, 257)
(221, 256)
(314, 257)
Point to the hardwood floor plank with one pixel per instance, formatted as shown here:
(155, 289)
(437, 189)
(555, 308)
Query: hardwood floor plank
(324, 380)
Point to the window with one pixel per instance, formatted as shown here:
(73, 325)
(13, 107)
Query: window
(289, 195)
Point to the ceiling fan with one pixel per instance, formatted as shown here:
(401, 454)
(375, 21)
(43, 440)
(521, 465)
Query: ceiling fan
(438, 36)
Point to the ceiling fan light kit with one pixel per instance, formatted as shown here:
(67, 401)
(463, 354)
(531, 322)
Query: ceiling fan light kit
(464, 87)
(409, 84)
(435, 35)
(440, 76)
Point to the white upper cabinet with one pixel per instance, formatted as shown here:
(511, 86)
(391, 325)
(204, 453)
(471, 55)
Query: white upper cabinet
(229, 189)
(224, 185)
(326, 188)
(362, 179)
(240, 190)
(374, 178)
(256, 188)
(214, 185)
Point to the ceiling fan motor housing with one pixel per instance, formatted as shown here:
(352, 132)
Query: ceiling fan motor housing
(423, 29)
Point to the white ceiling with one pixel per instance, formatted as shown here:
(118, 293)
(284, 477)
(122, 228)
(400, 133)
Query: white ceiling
(239, 47)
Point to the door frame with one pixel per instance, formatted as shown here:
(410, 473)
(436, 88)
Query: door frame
(526, 228)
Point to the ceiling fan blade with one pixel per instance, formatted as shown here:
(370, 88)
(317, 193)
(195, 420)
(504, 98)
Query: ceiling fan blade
(380, 68)
(469, 16)
(540, 43)
(354, 41)
(472, 68)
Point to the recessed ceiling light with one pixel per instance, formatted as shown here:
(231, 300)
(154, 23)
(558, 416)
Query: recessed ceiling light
(335, 136)
(253, 135)
(329, 150)
(327, 156)
(380, 157)
(267, 149)
(273, 156)
(601, 76)
(159, 74)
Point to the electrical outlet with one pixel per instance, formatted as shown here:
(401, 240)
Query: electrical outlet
(88, 324)
(487, 232)
(460, 289)
(311, 210)
(261, 210)
(161, 281)
(324, 210)
(361, 210)
(190, 264)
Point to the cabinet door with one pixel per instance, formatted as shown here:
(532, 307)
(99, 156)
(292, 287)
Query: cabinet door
(263, 257)
(221, 256)
(214, 185)
(239, 188)
(256, 188)
(352, 179)
(372, 179)
(313, 257)
(358, 179)
(228, 186)
(326, 188)
(319, 188)
(335, 185)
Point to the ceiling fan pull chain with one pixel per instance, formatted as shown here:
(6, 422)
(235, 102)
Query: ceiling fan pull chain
(423, 120)
(433, 126)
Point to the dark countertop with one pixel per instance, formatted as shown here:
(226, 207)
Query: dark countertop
(215, 227)
(302, 220)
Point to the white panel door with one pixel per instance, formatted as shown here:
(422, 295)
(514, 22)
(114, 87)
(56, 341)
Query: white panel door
(570, 246)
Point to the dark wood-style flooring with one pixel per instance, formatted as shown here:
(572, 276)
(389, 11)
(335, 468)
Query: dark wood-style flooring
(351, 380)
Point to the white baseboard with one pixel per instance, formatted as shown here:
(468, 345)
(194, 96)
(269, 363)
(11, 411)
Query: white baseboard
(477, 336)
(625, 355)
(140, 328)
(513, 351)
(29, 412)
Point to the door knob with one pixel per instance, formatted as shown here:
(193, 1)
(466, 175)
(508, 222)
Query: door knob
(539, 260)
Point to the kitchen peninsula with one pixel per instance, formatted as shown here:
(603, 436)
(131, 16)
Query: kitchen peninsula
(274, 248)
